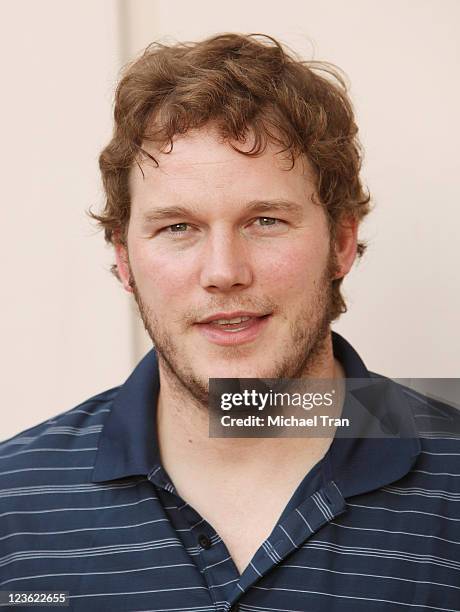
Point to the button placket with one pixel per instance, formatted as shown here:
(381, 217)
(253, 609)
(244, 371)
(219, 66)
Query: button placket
(204, 541)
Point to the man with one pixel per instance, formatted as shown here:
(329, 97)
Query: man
(233, 204)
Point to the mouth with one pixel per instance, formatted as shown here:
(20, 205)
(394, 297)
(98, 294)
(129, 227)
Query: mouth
(239, 330)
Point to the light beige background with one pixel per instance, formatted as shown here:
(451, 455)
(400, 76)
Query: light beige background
(67, 329)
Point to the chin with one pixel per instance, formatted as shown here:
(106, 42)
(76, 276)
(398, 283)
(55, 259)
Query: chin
(240, 370)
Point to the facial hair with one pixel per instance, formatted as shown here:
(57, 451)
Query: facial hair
(304, 349)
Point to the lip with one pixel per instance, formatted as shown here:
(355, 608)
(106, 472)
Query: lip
(231, 315)
(225, 338)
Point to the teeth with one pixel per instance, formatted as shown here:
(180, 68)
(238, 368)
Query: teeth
(236, 320)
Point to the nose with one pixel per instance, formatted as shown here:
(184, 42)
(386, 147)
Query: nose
(225, 264)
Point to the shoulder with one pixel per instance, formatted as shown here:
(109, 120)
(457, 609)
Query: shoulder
(437, 427)
(431, 413)
(45, 477)
(434, 418)
(73, 430)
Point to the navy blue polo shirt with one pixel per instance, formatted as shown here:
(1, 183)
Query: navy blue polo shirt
(86, 507)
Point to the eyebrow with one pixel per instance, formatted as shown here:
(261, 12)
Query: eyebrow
(286, 206)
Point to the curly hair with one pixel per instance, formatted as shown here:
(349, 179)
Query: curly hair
(240, 83)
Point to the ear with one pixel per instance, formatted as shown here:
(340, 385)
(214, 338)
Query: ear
(121, 256)
(346, 243)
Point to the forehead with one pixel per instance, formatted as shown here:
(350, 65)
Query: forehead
(202, 165)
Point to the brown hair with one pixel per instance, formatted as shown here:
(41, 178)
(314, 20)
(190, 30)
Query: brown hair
(240, 83)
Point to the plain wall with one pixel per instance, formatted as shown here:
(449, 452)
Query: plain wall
(65, 326)
(69, 331)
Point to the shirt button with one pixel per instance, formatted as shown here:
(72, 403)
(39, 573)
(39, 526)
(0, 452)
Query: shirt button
(204, 541)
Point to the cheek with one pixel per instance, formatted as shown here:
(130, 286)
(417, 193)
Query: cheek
(292, 269)
(159, 274)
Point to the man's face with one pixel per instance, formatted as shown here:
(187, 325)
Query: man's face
(249, 238)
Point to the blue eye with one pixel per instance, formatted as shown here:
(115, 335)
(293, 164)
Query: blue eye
(176, 225)
(268, 219)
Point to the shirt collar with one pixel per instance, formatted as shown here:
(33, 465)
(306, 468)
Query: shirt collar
(128, 444)
(359, 465)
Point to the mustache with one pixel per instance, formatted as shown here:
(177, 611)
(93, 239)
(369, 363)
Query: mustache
(198, 314)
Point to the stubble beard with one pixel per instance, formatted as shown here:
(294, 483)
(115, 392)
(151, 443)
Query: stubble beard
(300, 355)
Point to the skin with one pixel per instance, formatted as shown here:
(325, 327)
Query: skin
(225, 259)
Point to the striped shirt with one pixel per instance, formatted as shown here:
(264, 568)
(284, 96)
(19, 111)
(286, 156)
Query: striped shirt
(86, 507)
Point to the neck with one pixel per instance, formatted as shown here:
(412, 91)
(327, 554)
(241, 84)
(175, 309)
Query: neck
(183, 426)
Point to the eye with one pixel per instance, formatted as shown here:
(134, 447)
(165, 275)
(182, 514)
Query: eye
(271, 221)
(176, 228)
